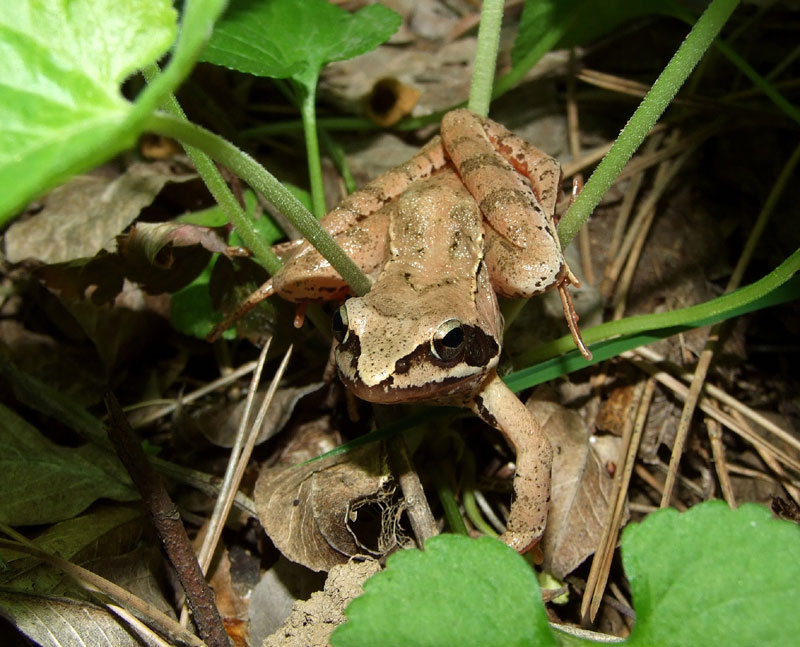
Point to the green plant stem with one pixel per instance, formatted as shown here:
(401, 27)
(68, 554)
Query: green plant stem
(219, 188)
(700, 314)
(644, 118)
(480, 89)
(783, 179)
(451, 512)
(265, 183)
(339, 158)
(474, 514)
(308, 111)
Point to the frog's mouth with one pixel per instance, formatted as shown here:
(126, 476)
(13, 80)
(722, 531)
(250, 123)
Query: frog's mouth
(418, 376)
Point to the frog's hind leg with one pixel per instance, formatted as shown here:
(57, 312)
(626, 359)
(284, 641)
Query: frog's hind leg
(517, 187)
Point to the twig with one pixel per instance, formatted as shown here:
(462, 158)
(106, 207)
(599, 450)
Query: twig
(241, 464)
(422, 520)
(681, 391)
(631, 437)
(190, 397)
(772, 463)
(623, 214)
(718, 394)
(573, 130)
(644, 474)
(219, 514)
(718, 451)
(167, 522)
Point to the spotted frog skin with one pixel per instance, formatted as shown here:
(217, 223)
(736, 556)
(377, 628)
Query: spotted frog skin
(468, 218)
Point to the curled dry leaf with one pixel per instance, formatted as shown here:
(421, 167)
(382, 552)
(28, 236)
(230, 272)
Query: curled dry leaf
(312, 622)
(311, 510)
(154, 240)
(167, 256)
(581, 487)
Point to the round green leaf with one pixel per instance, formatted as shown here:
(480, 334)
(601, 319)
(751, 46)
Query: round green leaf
(714, 576)
(458, 591)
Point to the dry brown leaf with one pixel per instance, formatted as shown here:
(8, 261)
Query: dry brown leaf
(219, 423)
(614, 412)
(312, 622)
(83, 216)
(310, 510)
(581, 487)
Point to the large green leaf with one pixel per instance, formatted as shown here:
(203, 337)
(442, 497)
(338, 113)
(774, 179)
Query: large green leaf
(710, 576)
(62, 64)
(714, 576)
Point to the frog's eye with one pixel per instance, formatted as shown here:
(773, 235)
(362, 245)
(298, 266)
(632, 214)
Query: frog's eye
(448, 341)
(339, 324)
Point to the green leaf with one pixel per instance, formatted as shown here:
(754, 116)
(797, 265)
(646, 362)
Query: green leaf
(62, 65)
(459, 591)
(43, 482)
(286, 38)
(191, 310)
(714, 576)
(709, 576)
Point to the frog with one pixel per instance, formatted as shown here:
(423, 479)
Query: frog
(469, 218)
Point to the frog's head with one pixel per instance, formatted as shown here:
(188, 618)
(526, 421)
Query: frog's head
(392, 349)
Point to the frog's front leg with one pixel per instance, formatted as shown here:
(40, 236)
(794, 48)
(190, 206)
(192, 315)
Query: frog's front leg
(497, 405)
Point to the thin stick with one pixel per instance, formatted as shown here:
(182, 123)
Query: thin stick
(218, 516)
(243, 459)
(422, 520)
(631, 436)
(623, 214)
(191, 397)
(657, 485)
(573, 130)
(718, 394)
(718, 451)
(167, 522)
(784, 479)
(681, 391)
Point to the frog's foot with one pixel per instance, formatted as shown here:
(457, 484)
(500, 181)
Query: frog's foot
(264, 292)
(571, 315)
